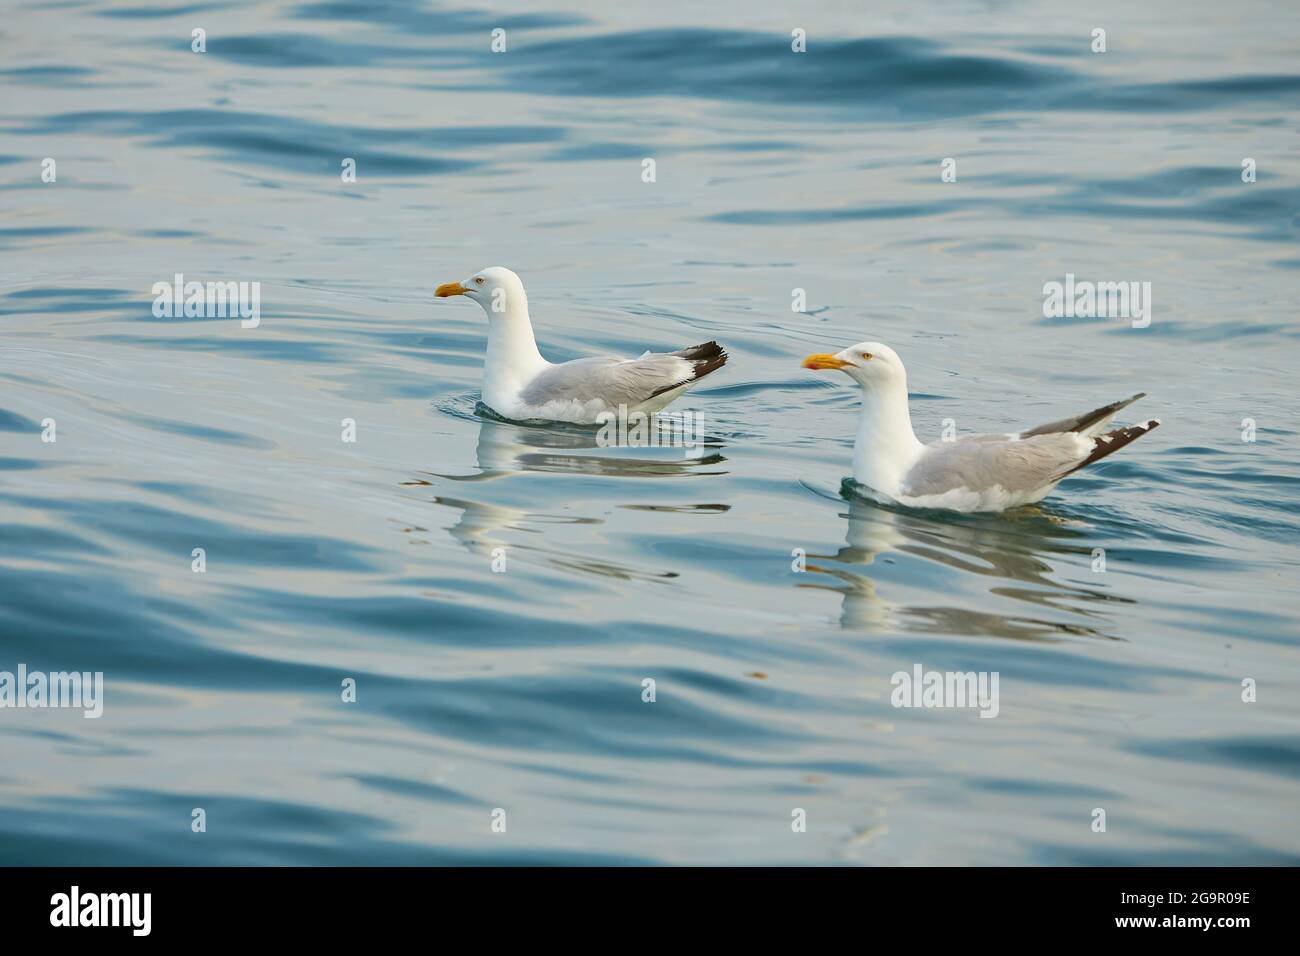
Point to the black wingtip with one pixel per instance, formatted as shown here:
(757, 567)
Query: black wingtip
(1112, 441)
(704, 359)
(708, 357)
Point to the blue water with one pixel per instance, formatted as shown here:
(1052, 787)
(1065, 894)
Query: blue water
(521, 690)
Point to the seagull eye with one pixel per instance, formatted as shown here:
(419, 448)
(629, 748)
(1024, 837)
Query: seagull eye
(865, 355)
(479, 280)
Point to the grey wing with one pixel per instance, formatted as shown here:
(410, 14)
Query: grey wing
(614, 381)
(627, 382)
(982, 462)
(1089, 423)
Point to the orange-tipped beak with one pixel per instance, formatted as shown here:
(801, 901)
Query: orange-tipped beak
(448, 289)
(820, 362)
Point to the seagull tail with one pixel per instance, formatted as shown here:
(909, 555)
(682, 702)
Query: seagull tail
(1113, 441)
(1089, 423)
(706, 358)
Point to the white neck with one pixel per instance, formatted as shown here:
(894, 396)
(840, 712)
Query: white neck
(886, 447)
(512, 357)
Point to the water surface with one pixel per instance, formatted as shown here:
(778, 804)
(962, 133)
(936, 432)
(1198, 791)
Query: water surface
(522, 690)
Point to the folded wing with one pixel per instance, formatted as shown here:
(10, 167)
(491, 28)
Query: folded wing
(996, 462)
(985, 462)
(629, 382)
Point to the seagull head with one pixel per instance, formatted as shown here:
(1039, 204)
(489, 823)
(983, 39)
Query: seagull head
(872, 365)
(496, 289)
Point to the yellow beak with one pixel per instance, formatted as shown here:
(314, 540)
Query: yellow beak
(449, 288)
(819, 362)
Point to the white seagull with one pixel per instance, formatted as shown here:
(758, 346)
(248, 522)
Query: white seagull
(520, 385)
(971, 473)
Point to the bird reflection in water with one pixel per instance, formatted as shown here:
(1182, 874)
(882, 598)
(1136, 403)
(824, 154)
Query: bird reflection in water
(508, 449)
(1016, 556)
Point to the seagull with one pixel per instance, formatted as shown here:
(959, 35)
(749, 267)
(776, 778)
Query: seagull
(520, 385)
(971, 473)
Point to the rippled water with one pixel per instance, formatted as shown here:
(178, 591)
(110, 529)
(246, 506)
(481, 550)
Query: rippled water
(522, 690)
